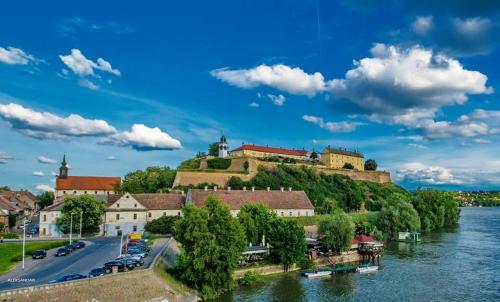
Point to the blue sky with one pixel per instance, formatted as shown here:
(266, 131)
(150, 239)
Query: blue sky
(120, 86)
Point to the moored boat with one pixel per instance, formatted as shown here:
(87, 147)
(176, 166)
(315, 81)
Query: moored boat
(367, 269)
(316, 274)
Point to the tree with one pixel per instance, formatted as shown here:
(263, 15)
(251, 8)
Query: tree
(162, 225)
(92, 214)
(314, 156)
(4, 188)
(348, 166)
(190, 164)
(152, 180)
(336, 231)
(213, 149)
(46, 199)
(212, 243)
(255, 219)
(2, 226)
(371, 165)
(219, 163)
(288, 241)
(398, 215)
(436, 209)
(246, 165)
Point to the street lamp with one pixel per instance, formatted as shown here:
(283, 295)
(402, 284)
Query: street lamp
(81, 213)
(70, 227)
(24, 238)
(121, 236)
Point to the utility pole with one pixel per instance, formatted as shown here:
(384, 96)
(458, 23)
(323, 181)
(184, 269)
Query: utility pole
(24, 238)
(81, 215)
(70, 227)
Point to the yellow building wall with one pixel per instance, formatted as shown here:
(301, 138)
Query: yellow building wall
(337, 161)
(251, 153)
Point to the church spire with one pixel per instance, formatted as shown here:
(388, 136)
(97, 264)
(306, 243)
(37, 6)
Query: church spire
(63, 170)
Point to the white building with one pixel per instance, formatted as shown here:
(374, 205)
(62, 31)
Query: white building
(48, 215)
(283, 202)
(223, 147)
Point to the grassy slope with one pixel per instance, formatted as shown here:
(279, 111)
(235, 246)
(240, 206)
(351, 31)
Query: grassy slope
(10, 253)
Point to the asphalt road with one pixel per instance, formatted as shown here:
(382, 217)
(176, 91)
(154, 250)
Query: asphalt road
(98, 251)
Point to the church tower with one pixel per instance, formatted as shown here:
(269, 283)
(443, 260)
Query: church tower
(223, 147)
(63, 170)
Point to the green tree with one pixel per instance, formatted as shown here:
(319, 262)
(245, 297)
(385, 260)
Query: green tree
(213, 149)
(152, 180)
(336, 231)
(46, 199)
(348, 166)
(288, 241)
(4, 188)
(314, 156)
(212, 243)
(246, 165)
(371, 165)
(398, 215)
(255, 219)
(92, 214)
(190, 164)
(436, 209)
(162, 225)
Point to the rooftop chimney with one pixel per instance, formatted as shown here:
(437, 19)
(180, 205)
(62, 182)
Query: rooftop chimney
(268, 189)
(253, 189)
(244, 188)
(215, 188)
(206, 188)
(282, 189)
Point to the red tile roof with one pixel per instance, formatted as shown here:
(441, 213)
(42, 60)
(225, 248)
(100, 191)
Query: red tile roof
(343, 152)
(275, 199)
(87, 183)
(272, 150)
(7, 205)
(57, 206)
(362, 239)
(155, 201)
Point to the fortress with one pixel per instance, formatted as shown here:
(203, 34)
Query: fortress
(244, 161)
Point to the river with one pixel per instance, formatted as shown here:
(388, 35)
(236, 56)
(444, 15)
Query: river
(461, 264)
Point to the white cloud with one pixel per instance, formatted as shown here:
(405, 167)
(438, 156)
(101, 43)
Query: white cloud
(143, 138)
(47, 125)
(418, 146)
(38, 173)
(82, 66)
(254, 104)
(282, 77)
(481, 141)
(277, 100)
(444, 129)
(86, 83)
(45, 160)
(4, 157)
(471, 26)
(15, 56)
(332, 126)
(396, 80)
(44, 188)
(422, 24)
(417, 172)
(111, 157)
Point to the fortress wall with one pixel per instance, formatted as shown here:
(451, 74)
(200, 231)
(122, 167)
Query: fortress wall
(185, 178)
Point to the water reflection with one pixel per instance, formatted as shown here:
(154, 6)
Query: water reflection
(287, 288)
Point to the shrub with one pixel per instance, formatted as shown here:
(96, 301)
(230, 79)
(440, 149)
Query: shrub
(162, 225)
(248, 278)
(9, 235)
(219, 163)
(371, 165)
(190, 164)
(305, 263)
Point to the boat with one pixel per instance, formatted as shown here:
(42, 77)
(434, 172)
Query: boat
(367, 269)
(316, 274)
(409, 237)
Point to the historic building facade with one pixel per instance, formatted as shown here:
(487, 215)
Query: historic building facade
(337, 158)
(263, 152)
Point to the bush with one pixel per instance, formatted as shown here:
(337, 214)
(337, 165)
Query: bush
(162, 225)
(190, 164)
(219, 163)
(289, 160)
(371, 165)
(305, 263)
(9, 235)
(248, 278)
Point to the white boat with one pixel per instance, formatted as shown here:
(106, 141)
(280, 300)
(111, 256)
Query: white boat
(367, 269)
(316, 274)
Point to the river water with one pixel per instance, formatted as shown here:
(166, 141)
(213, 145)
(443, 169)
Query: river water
(461, 264)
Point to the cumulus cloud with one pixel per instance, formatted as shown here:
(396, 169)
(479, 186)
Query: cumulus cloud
(15, 56)
(44, 188)
(45, 160)
(4, 157)
(432, 175)
(396, 80)
(332, 126)
(282, 77)
(45, 125)
(82, 66)
(277, 100)
(254, 105)
(87, 84)
(422, 24)
(38, 173)
(143, 138)
(72, 25)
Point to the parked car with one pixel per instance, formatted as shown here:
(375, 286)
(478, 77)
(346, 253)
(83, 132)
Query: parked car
(140, 248)
(136, 253)
(62, 252)
(136, 243)
(40, 254)
(138, 259)
(122, 266)
(68, 278)
(32, 232)
(78, 245)
(96, 272)
(70, 248)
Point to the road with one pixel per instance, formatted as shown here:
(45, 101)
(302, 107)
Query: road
(98, 251)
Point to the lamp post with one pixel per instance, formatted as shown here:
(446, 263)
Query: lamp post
(121, 236)
(81, 215)
(70, 227)
(24, 238)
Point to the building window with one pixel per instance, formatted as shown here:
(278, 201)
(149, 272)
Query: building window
(178, 213)
(64, 192)
(290, 213)
(282, 214)
(135, 216)
(74, 192)
(95, 192)
(44, 231)
(149, 214)
(134, 229)
(307, 213)
(117, 216)
(44, 218)
(85, 192)
(135, 205)
(164, 213)
(117, 227)
(117, 205)
(298, 213)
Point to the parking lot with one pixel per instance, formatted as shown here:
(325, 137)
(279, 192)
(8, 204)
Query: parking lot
(97, 251)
